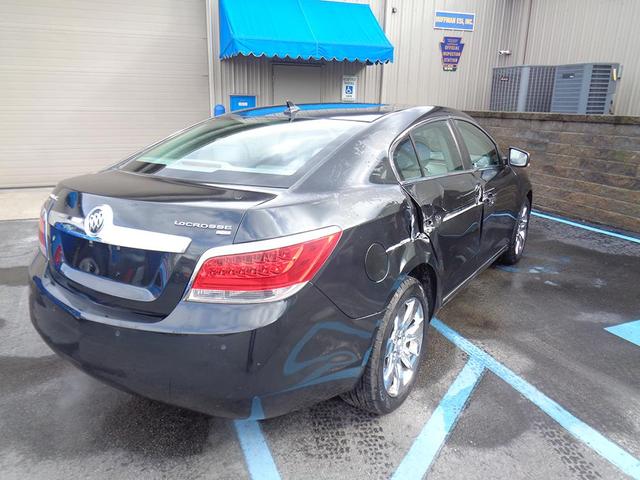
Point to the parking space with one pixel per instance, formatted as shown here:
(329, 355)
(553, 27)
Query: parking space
(521, 379)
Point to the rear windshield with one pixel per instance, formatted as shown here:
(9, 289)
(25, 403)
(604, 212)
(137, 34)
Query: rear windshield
(269, 153)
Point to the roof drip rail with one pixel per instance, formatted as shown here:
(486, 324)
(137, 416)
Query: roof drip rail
(291, 110)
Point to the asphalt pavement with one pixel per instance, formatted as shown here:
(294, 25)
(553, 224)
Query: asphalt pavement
(521, 380)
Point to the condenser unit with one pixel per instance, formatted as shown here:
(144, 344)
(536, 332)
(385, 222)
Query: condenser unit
(585, 88)
(523, 88)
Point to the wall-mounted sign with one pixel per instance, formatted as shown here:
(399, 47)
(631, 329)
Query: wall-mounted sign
(240, 102)
(349, 88)
(454, 21)
(451, 49)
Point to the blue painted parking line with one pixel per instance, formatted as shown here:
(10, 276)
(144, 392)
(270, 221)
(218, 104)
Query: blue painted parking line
(619, 457)
(629, 331)
(585, 226)
(433, 435)
(256, 451)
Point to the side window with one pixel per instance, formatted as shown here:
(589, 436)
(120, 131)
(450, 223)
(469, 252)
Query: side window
(481, 149)
(406, 162)
(436, 149)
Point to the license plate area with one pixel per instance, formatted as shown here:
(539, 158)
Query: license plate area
(131, 266)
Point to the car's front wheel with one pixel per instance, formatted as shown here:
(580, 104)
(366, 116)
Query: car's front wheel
(396, 353)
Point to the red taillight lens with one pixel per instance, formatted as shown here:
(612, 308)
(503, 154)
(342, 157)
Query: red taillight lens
(42, 232)
(263, 274)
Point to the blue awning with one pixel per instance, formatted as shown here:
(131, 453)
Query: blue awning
(306, 29)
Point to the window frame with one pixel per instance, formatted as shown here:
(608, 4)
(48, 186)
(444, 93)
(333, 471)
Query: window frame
(399, 141)
(407, 133)
(463, 144)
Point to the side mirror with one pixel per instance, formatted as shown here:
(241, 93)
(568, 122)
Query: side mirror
(518, 158)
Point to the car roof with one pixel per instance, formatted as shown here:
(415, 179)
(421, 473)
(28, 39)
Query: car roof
(361, 112)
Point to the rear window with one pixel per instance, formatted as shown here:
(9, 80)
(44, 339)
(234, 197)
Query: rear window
(270, 153)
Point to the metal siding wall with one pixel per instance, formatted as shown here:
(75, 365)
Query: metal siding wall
(580, 31)
(254, 76)
(416, 76)
(82, 85)
(602, 31)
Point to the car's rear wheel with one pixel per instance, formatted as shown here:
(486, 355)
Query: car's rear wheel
(396, 353)
(519, 237)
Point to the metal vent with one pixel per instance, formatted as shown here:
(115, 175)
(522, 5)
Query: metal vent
(526, 88)
(586, 88)
(599, 89)
(540, 89)
(505, 86)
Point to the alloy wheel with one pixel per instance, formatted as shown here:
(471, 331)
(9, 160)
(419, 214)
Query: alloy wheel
(522, 227)
(403, 347)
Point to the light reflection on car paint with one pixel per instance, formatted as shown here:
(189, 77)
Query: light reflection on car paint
(328, 361)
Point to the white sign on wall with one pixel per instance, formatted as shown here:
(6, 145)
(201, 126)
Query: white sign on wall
(349, 88)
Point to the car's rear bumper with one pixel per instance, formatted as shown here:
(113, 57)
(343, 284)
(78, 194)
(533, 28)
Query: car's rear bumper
(311, 352)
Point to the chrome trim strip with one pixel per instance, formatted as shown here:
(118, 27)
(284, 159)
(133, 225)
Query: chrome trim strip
(455, 213)
(258, 246)
(479, 270)
(57, 217)
(104, 285)
(45, 214)
(122, 236)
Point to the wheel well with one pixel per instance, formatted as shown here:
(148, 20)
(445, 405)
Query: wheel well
(425, 274)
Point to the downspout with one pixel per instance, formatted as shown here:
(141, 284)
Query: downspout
(526, 35)
(212, 99)
(385, 26)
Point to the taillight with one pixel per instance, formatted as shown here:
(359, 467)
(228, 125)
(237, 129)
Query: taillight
(42, 232)
(262, 271)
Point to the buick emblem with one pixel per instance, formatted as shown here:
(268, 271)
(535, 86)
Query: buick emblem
(97, 218)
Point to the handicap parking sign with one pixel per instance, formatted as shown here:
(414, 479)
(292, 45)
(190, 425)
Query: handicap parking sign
(349, 83)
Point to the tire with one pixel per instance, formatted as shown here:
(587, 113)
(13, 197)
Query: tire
(515, 251)
(371, 393)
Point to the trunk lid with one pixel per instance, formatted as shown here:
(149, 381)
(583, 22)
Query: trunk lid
(131, 242)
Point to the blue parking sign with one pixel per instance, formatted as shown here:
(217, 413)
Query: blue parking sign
(349, 84)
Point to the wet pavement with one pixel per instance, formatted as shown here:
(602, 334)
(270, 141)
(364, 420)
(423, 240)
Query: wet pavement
(544, 320)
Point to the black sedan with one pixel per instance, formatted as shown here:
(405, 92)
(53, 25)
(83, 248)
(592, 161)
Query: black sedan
(264, 260)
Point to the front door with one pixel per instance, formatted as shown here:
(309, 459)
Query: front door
(297, 83)
(499, 191)
(433, 173)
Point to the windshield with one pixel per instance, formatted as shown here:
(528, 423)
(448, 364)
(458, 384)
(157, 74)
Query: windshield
(270, 153)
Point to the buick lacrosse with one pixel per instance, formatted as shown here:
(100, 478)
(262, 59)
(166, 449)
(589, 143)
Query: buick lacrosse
(271, 258)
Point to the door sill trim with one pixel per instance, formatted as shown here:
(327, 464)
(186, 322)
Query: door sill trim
(479, 270)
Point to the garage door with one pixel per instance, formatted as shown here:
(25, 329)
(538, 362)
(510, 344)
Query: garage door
(84, 84)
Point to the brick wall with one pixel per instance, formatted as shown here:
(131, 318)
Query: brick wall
(582, 166)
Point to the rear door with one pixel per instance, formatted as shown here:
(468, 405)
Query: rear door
(432, 171)
(499, 190)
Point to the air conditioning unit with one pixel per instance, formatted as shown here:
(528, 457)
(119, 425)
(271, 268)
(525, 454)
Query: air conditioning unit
(585, 88)
(523, 88)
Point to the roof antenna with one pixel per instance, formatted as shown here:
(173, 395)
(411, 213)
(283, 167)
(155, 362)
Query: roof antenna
(291, 110)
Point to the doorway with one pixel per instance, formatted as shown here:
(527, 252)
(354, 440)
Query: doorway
(298, 83)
